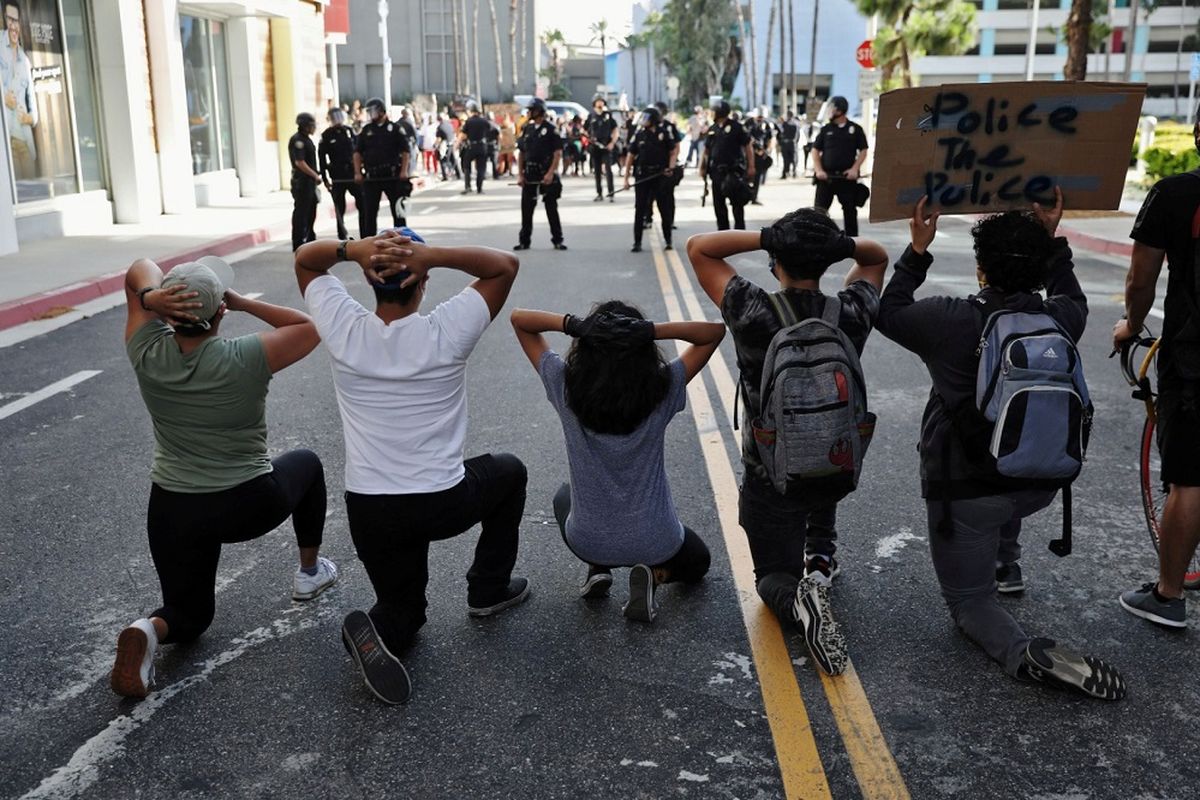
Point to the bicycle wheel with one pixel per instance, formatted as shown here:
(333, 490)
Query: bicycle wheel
(1154, 498)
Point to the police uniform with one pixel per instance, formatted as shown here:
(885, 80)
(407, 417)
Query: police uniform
(382, 146)
(762, 132)
(651, 150)
(538, 143)
(493, 147)
(839, 147)
(474, 151)
(725, 158)
(304, 189)
(336, 153)
(600, 129)
(789, 133)
(676, 175)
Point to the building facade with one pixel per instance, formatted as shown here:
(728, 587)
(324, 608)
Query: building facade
(485, 49)
(127, 109)
(1159, 55)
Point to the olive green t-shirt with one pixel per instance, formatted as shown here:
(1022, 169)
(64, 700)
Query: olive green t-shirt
(209, 408)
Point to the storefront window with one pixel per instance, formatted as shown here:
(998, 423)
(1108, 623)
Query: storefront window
(37, 113)
(206, 80)
(83, 95)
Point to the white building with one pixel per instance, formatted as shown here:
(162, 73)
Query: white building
(129, 109)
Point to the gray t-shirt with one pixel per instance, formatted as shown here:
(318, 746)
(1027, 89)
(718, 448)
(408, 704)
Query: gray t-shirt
(621, 507)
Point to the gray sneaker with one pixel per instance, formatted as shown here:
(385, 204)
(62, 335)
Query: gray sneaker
(1009, 579)
(640, 607)
(1142, 603)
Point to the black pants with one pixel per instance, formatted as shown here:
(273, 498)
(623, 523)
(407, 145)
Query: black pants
(392, 532)
(602, 159)
(807, 150)
(777, 529)
(788, 151)
(843, 190)
(479, 160)
(187, 531)
(450, 164)
(529, 198)
(304, 211)
(660, 190)
(689, 564)
(719, 200)
(338, 193)
(368, 210)
(760, 175)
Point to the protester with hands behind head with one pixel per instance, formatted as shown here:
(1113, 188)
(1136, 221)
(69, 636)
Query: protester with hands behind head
(975, 513)
(615, 396)
(791, 536)
(212, 481)
(399, 376)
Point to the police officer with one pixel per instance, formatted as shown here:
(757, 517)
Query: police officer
(381, 168)
(538, 156)
(603, 132)
(473, 146)
(305, 178)
(677, 172)
(336, 153)
(762, 132)
(493, 144)
(839, 151)
(789, 134)
(728, 159)
(653, 153)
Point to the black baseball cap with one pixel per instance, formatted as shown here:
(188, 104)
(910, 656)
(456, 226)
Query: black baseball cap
(839, 102)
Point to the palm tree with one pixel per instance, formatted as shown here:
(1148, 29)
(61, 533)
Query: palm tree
(456, 35)
(741, 25)
(496, 45)
(553, 40)
(475, 50)
(767, 85)
(632, 42)
(512, 41)
(752, 73)
(600, 31)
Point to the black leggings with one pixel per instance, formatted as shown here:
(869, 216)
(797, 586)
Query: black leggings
(689, 564)
(187, 531)
(392, 533)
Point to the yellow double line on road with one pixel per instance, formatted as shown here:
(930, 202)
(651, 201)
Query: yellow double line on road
(803, 775)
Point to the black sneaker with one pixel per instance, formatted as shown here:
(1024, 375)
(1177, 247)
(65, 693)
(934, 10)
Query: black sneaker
(1047, 662)
(821, 634)
(596, 585)
(637, 247)
(514, 594)
(1144, 603)
(382, 672)
(1009, 579)
(640, 607)
(598, 199)
(520, 246)
(668, 245)
(560, 246)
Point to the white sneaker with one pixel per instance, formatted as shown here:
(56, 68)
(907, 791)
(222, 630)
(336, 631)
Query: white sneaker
(133, 670)
(821, 633)
(306, 587)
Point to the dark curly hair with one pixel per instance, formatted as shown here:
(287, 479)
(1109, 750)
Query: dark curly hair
(613, 390)
(1013, 250)
(805, 264)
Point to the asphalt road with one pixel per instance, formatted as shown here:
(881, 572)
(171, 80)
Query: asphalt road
(558, 698)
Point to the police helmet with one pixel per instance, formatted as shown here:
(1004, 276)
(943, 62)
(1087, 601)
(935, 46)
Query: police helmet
(376, 103)
(472, 107)
(304, 119)
(599, 98)
(662, 107)
(839, 102)
(650, 115)
(536, 106)
(722, 109)
(336, 116)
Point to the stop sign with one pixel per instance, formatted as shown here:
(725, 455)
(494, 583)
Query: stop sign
(863, 55)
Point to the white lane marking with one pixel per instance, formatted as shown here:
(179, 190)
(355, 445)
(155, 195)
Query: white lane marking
(49, 391)
(427, 210)
(1154, 312)
(83, 769)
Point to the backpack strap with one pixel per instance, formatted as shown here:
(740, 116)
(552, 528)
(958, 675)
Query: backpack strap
(831, 312)
(1062, 547)
(783, 309)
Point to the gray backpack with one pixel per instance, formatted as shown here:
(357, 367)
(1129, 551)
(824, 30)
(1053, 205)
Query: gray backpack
(813, 427)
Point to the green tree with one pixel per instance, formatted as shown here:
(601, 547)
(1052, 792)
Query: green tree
(910, 29)
(554, 42)
(700, 43)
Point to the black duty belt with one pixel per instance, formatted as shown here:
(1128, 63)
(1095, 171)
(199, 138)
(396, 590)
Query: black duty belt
(389, 171)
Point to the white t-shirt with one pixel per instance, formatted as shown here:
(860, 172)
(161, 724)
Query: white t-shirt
(400, 387)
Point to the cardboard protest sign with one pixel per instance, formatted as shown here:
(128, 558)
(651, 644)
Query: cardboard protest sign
(986, 147)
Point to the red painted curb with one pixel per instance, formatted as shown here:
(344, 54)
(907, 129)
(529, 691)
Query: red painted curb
(27, 309)
(1096, 244)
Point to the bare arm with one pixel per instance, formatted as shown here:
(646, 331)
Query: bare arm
(554, 162)
(358, 173)
(703, 338)
(750, 168)
(529, 327)
(302, 166)
(870, 263)
(1141, 284)
(168, 305)
(294, 335)
(708, 252)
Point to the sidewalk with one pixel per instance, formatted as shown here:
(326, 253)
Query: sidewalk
(1102, 231)
(50, 276)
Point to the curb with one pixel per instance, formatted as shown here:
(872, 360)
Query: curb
(27, 309)
(1096, 244)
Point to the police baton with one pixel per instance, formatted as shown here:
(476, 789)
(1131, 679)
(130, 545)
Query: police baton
(640, 181)
(368, 180)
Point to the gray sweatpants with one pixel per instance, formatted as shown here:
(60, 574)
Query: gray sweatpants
(986, 530)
